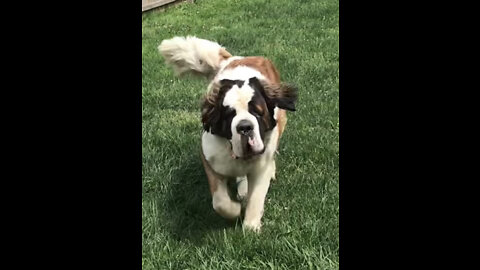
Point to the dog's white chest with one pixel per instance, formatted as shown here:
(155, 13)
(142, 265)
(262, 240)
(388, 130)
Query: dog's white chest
(218, 154)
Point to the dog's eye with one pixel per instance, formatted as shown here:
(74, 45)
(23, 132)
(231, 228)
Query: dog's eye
(258, 111)
(229, 112)
(200, 61)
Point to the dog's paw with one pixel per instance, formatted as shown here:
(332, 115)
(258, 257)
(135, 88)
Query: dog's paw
(254, 226)
(242, 188)
(242, 198)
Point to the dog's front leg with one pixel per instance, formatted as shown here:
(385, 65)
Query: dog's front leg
(221, 201)
(242, 188)
(258, 183)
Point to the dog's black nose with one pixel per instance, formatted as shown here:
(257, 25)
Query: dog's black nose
(244, 127)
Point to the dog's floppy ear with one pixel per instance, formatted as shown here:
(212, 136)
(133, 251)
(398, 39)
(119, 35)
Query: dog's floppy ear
(210, 115)
(212, 103)
(281, 95)
(287, 98)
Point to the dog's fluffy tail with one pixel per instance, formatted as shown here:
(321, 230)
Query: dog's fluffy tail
(193, 55)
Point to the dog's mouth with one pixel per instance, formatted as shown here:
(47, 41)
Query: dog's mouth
(247, 142)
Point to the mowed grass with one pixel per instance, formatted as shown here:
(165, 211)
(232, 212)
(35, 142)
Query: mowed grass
(300, 230)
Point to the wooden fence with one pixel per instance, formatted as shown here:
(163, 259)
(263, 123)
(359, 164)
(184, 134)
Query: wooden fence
(149, 4)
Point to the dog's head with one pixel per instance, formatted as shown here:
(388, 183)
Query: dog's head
(243, 111)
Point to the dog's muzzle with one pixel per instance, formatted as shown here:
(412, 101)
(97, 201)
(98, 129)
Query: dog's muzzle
(247, 140)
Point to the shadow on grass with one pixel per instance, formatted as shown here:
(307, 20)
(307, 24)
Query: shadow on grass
(188, 207)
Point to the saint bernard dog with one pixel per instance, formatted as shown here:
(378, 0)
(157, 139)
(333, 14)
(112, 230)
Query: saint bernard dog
(243, 116)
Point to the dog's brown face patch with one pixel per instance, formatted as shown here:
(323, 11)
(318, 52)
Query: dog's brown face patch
(258, 107)
(217, 118)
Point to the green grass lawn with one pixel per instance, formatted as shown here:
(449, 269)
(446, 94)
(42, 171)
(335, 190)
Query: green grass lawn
(180, 230)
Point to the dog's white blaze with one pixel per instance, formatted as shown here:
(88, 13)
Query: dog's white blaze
(238, 99)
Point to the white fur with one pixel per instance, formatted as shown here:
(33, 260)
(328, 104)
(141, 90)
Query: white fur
(217, 152)
(259, 170)
(238, 98)
(191, 54)
(242, 187)
(259, 181)
(223, 204)
(275, 111)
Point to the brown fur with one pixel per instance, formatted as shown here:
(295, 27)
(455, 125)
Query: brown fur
(261, 108)
(281, 122)
(261, 64)
(210, 102)
(212, 176)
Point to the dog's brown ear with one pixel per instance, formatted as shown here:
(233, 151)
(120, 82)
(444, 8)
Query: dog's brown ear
(281, 95)
(210, 114)
(285, 96)
(212, 103)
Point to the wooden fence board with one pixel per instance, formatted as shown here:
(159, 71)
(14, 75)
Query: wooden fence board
(149, 4)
